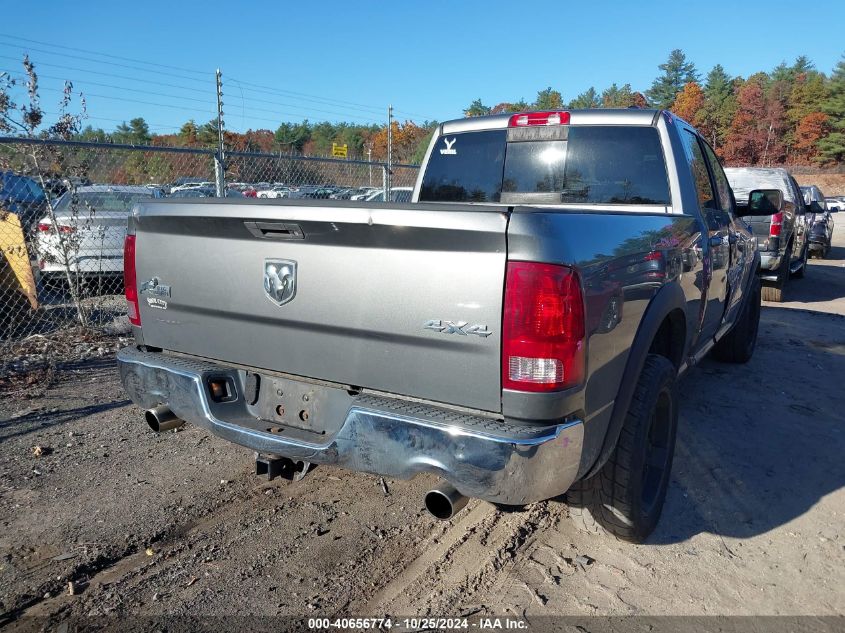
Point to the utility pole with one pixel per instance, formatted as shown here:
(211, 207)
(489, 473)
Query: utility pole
(389, 171)
(220, 157)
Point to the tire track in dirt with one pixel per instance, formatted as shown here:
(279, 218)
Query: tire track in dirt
(468, 558)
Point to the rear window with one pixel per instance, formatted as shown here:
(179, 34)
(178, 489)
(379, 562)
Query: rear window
(97, 202)
(465, 168)
(22, 188)
(586, 165)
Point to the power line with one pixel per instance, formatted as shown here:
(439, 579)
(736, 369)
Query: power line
(292, 105)
(94, 83)
(82, 50)
(346, 105)
(103, 74)
(323, 100)
(318, 99)
(150, 124)
(98, 61)
(166, 105)
(83, 82)
(135, 101)
(254, 87)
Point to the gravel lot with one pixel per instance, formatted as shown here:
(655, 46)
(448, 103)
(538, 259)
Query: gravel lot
(177, 523)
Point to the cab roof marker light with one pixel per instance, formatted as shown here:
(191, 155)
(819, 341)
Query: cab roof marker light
(527, 119)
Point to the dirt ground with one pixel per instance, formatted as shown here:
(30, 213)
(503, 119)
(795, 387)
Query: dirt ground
(145, 524)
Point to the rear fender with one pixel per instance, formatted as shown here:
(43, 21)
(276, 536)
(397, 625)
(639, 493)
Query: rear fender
(667, 299)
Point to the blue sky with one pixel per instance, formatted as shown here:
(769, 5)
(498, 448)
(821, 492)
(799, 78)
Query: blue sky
(347, 60)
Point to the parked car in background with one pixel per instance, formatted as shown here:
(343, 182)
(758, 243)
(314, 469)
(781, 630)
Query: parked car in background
(22, 196)
(204, 192)
(321, 193)
(191, 185)
(303, 191)
(821, 233)
(397, 194)
(362, 193)
(812, 193)
(248, 190)
(92, 222)
(57, 186)
(181, 182)
(836, 204)
(277, 191)
(821, 224)
(782, 237)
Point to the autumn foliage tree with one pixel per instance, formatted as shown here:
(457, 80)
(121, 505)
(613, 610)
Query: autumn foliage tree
(810, 130)
(689, 102)
(407, 139)
(792, 115)
(748, 132)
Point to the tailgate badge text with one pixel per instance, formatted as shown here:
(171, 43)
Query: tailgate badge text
(461, 328)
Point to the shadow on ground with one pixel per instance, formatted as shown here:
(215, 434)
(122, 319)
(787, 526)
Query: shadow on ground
(760, 444)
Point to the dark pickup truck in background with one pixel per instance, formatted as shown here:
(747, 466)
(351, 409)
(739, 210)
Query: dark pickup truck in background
(517, 329)
(783, 238)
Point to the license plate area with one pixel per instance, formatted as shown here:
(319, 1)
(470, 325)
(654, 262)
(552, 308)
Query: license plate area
(284, 403)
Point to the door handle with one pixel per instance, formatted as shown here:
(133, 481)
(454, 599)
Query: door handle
(275, 230)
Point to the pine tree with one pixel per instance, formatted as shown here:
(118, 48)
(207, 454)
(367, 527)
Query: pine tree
(549, 99)
(507, 106)
(615, 97)
(586, 100)
(806, 99)
(719, 107)
(677, 71)
(136, 133)
(832, 146)
(476, 108)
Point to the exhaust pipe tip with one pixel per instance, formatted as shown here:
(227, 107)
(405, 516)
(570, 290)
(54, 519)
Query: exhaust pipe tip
(444, 502)
(161, 418)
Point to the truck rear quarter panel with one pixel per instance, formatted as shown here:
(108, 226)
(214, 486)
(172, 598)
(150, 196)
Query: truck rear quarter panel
(623, 259)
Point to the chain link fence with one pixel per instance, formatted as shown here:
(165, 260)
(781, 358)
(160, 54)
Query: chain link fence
(64, 208)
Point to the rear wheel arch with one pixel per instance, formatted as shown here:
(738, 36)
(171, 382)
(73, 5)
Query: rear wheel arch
(662, 331)
(670, 339)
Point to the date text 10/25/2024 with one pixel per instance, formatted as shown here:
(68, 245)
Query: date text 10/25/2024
(423, 623)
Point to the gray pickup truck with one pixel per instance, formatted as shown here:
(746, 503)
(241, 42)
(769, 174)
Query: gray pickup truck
(517, 329)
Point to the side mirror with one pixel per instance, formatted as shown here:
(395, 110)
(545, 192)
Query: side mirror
(762, 202)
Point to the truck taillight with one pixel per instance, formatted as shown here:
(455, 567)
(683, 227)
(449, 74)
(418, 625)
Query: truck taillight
(543, 328)
(539, 118)
(130, 282)
(776, 225)
(45, 227)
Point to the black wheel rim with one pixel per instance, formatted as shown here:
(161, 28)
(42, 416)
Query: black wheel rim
(657, 452)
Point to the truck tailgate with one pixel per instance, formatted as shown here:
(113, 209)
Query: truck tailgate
(367, 282)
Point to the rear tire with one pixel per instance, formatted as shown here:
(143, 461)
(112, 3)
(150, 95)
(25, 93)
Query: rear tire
(799, 274)
(775, 292)
(625, 498)
(737, 346)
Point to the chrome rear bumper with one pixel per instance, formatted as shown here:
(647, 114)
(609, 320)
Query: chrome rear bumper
(485, 458)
